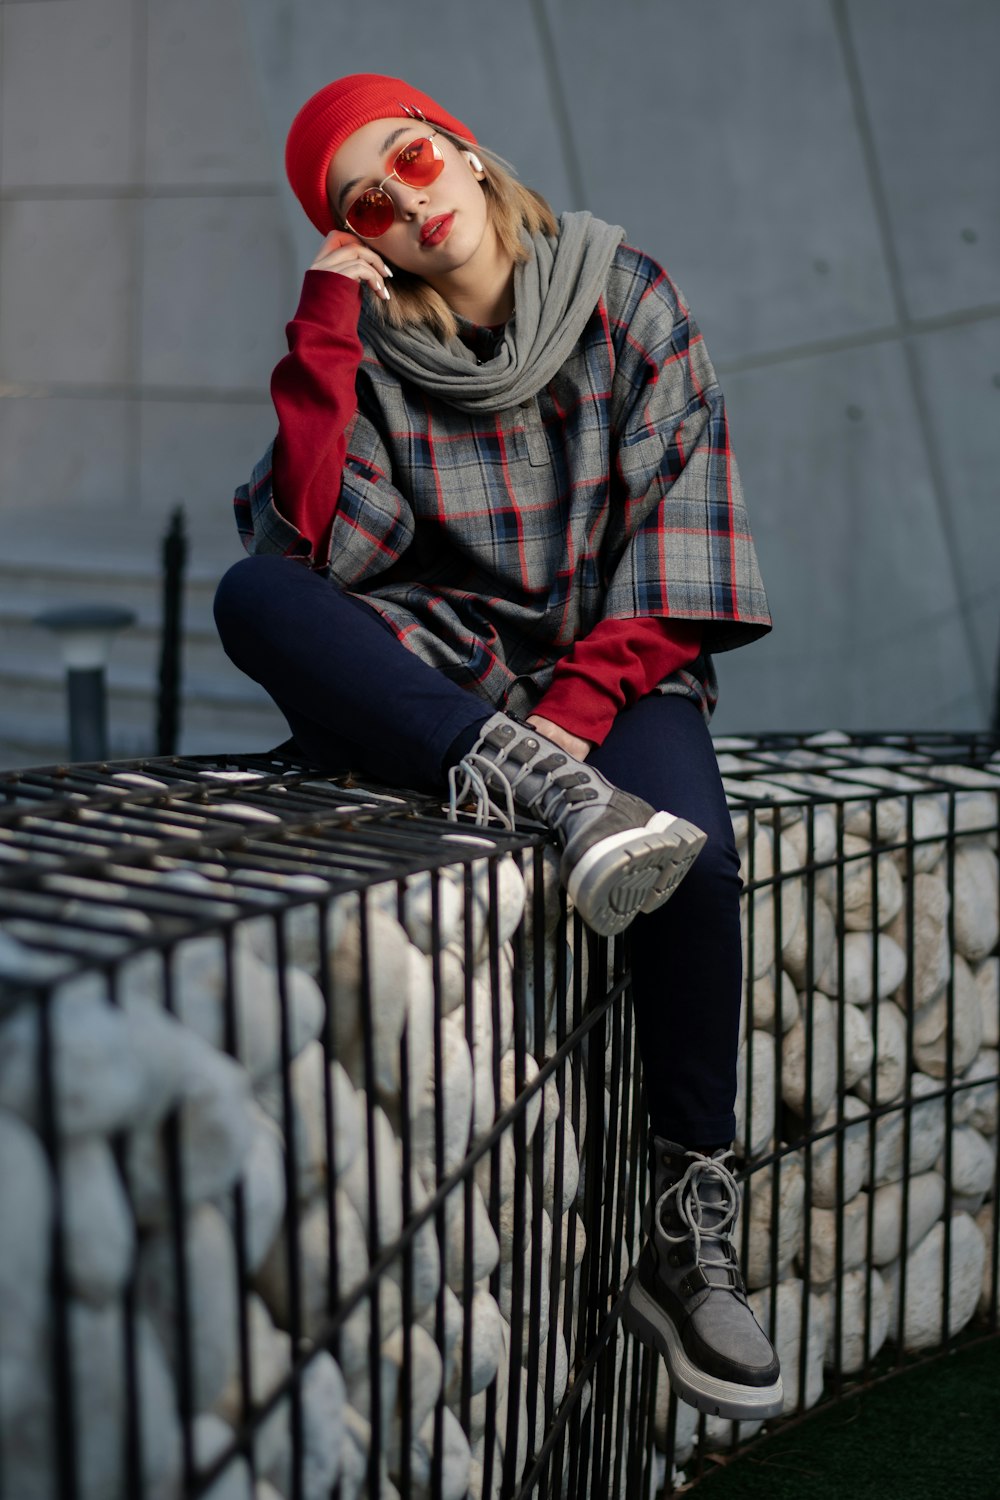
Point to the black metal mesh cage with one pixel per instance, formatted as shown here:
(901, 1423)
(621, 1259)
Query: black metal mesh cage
(322, 1142)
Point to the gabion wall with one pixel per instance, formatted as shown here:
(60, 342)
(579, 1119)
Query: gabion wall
(311, 1183)
(322, 1151)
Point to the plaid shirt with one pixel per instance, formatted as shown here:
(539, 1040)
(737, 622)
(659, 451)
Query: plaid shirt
(492, 543)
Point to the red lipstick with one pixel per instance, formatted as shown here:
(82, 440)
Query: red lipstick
(436, 230)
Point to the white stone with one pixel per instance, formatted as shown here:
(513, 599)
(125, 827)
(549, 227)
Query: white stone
(791, 1218)
(977, 901)
(212, 1308)
(859, 1045)
(263, 1182)
(449, 1338)
(889, 1026)
(540, 987)
(355, 1345)
(924, 1208)
(759, 915)
(931, 952)
(456, 1106)
(978, 1106)
(533, 1307)
(454, 1459)
(973, 1165)
(782, 874)
(867, 975)
(824, 837)
(871, 897)
(509, 1089)
(324, 1412)
(309, 1105)
(976, 812)
(101, 1071)
(390, 974)
(499, 1163)
(854, 1151)
(422, 1261)
(570, 1254)
(314, 1264)
(788, 1339)
(418, 909)
(987, 977)
(416, 1346)
(354, 1455)
(795, 956)
(547, 860)
(212, 1438)
(270, 1363)
(861, 1336)
(484, 1348)
(830, 1231)
(485, 1247)
(99, 1228)
(930, 1030)
(199, 991)
(922, 1318)
(388, 1177)
(755, 1068)
(215, 1131)
(930, 825)
(794, 1082)
(927, 1127)
(25, 1250)
(101, 1404)
(511, 897)
(890, 819)
(762, 1004)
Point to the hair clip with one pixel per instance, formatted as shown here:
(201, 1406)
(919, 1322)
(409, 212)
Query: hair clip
(412, 111)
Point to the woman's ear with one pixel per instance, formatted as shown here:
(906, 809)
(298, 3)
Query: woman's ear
(474, 161)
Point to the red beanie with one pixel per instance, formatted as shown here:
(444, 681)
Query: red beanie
(325, 121)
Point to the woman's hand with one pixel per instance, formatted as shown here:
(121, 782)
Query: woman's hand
(572, 743)
(346, 255)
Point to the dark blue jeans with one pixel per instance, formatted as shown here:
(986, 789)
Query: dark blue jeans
(354, 696)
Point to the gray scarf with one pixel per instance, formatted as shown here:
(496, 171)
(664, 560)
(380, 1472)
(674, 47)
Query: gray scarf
(555, 292)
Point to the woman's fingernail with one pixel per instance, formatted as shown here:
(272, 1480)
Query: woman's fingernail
(388, 272)
(386, 291)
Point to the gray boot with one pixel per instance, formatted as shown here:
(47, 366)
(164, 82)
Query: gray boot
(688, 1299)
(620, 857)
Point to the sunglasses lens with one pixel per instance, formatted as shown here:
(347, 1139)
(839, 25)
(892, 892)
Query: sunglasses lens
(419, 163)
(371, 214)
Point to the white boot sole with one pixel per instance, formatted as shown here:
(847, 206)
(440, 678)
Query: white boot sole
(636, 870)
(719, 1398)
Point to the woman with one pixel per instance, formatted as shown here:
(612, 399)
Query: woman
(495, 542)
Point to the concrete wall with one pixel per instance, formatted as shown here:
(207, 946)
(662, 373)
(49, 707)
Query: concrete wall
(818, 175)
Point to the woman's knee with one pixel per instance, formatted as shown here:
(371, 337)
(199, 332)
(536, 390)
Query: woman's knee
(240, 593)
(714, 878)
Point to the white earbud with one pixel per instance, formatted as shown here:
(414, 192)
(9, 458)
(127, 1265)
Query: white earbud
(474, 162)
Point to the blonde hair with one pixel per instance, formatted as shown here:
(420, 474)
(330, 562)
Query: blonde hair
(511, 207)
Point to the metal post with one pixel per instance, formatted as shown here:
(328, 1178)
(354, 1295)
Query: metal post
(85, 633)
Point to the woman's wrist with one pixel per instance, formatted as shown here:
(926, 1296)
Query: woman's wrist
(571, 743)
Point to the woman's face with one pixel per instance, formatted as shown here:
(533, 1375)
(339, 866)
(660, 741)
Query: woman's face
(365, 159)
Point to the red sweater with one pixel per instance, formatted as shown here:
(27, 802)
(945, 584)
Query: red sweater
(313, 393)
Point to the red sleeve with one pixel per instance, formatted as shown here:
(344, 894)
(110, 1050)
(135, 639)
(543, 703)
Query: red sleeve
(313, 393)
(609, 669)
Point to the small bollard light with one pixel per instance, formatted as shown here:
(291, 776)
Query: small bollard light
(85, 633)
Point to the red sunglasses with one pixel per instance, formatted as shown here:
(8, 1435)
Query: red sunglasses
(416, 164)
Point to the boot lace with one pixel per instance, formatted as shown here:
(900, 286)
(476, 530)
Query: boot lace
(471, 778)
(475, 774)
(690, 1210)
